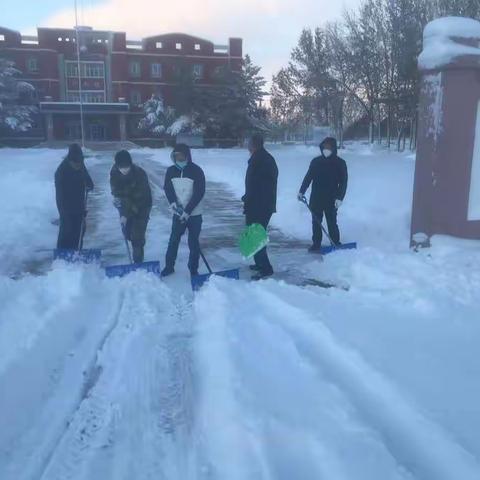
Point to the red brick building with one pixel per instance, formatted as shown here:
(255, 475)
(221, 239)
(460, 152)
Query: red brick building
(117, 76)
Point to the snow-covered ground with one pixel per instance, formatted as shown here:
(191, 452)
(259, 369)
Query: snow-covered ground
(136, 378)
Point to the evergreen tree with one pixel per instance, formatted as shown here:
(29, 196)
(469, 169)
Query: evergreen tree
(231, 108)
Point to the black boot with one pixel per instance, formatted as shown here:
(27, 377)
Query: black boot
(315, 248)
(262, 274)
(137, 254)
(167, 271)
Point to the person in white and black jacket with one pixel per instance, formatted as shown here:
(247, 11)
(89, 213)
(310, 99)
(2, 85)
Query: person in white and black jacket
(184, 188)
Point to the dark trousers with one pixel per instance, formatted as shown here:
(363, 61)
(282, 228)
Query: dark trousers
(135, 230)
(330, 213)
(261, 258)
(194, 227)
(70, 231)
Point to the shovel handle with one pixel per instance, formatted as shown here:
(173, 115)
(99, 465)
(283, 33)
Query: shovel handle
(315, 217)
(205, 261)
(126, 244)
(82, 226)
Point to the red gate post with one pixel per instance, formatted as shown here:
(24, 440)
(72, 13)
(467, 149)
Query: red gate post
(446, 197)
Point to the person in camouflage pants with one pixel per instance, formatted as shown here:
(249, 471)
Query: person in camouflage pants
(133, 199)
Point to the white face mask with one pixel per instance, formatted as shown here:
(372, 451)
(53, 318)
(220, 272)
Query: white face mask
(327, 153)
(124, 170)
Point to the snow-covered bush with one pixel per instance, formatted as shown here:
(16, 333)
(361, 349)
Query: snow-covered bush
(185, 124)
(157, 117)
(161, 120)
(15, 112)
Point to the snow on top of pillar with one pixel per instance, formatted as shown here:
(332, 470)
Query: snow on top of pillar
(439, 45)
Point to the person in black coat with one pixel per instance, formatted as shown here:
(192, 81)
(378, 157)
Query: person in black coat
(72, 182)
(184, 188)
(329, 177)
(260, 199)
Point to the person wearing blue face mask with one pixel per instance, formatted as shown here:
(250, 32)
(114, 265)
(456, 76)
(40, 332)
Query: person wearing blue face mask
(329, 177)
(184, 188)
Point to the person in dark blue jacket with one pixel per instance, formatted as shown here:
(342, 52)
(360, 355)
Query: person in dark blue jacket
(260, 199)
(329, 177)
(184, 188)
(72, 181)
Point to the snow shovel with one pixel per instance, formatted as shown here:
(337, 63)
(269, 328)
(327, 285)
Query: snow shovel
(199, 280)
(122, 270)
(89, 255)
(332, 247)
(252, 240)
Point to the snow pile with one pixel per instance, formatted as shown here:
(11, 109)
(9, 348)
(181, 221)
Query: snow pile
(439, 41)
(27, 196)
(283, 393)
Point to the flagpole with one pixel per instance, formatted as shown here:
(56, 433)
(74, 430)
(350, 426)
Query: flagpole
(77, 35)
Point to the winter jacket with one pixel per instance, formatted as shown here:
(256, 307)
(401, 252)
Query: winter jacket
(260, 197)
(133, 191)
(186, 187)
(70, 187)
(328, 176)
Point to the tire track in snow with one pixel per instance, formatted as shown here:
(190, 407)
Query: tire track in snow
(48, 381)
(416, 442)
(265, 411)
(135, 421)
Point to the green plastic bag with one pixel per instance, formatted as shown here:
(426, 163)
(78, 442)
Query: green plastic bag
(252, 240)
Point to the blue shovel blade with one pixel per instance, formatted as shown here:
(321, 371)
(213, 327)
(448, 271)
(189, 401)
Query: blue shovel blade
(199, 280)
(122, 270)
(91, 255)
(333, 248)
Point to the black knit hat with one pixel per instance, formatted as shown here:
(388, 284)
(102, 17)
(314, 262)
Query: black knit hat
(123, 159)
(75, 153)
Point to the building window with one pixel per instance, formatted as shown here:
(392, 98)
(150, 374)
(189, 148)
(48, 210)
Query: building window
(135, 98)
(93, 97)
(198, 71)
(134, 69)
(92, 70)
(2, 37)
(159, 45)
(156, 70)
(87, 97)
(32, 64)
(178, 46)
(88, 69)
(72, 69)
(197, 46)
